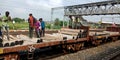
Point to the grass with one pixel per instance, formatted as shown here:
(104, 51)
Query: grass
(21, 26)
(25, 25)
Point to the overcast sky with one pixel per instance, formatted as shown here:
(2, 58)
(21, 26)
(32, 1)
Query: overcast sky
(39, 8)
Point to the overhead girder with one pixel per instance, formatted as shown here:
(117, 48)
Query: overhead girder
(98, 8)
(93, 10)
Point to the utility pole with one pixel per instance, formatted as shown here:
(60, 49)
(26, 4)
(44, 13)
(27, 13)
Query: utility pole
(51, 18)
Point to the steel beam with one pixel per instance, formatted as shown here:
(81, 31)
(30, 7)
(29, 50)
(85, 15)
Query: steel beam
(98, 8)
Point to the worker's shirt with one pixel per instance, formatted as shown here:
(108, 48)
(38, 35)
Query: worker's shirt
(5, 20)
(43, 24)
(37, 25)
(31, 21)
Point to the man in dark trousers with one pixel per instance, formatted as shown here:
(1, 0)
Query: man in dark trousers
(42, 27)
(31, 25)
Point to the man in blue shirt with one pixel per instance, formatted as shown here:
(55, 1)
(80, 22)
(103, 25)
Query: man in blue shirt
(42, 27)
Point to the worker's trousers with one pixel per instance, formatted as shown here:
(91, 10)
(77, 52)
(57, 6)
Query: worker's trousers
(6, 29)
(31, 32)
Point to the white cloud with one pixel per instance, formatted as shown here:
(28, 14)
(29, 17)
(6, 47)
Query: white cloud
(19, 10)
(55, 3)
(44, 3)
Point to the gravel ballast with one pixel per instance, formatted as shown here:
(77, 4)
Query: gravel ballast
(96, 53)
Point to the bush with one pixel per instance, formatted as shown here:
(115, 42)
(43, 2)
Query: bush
(48, 26)
(23, 25)
(18, 20)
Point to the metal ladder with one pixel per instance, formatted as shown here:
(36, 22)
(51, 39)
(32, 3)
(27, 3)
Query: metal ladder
(30, 53)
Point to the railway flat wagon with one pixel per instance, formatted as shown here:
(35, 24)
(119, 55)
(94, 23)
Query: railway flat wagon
(69, 40)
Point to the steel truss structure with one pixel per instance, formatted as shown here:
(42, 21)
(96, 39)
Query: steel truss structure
(98, 8)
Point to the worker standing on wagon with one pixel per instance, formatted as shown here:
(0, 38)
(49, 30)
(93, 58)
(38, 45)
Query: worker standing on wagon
(1, 37)
(42, 27)
(5, 26)
(31, 21)
(37, 29)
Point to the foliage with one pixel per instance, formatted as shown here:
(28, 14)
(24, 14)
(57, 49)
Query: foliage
(48, 25)
(57, 22)
(21, 24)
(18, 20)
(61, 23)
(17, 26)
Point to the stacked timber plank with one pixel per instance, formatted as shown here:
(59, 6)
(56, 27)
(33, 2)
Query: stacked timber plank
(69, 31)
(103, 33)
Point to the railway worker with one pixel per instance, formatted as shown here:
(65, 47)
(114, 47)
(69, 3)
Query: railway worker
(31, 21)
(1, 36)
(5, 20)
(37, 28)
(0, 29)
(42, 27)
(0, 16)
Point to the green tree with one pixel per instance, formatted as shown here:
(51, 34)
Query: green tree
(47, 25)
(57, 22)
(19, 20)
(61, 23)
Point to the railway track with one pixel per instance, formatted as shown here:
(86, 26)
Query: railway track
(115, 54)
(117, 57)
(112, 53)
